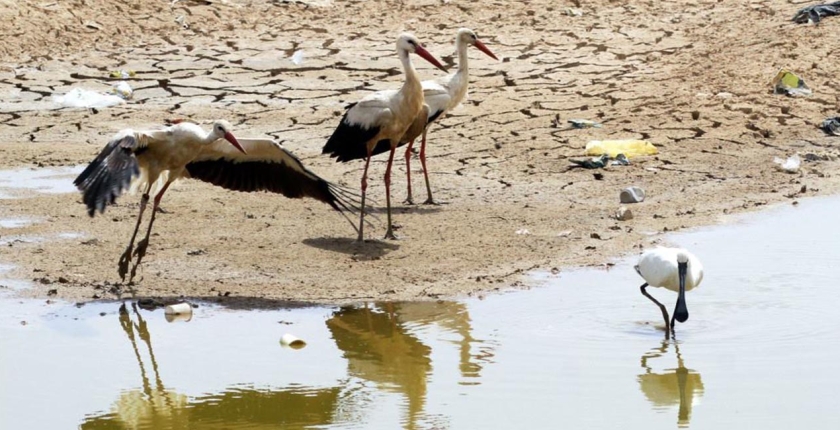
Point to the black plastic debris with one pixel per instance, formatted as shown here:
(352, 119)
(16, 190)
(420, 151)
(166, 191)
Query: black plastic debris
(591, 163)
(831, 126)
(816, 12)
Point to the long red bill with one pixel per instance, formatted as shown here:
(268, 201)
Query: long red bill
(422, 52)
(229, 137)
(483, 48)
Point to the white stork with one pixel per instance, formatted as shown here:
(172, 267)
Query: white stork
(377, 122)
(675, 269)
(441, 96)
(185, 150)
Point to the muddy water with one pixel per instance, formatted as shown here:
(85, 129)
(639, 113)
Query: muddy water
(22, 182)
(585, 350)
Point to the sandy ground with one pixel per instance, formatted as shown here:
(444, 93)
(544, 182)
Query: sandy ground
(692, 77)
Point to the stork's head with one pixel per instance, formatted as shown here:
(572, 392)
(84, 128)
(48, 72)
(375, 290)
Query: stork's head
(222, 130)
(408, 43)
(467, 36)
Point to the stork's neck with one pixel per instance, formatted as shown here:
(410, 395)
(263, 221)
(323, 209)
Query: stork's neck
(412, 81)
(463, 58)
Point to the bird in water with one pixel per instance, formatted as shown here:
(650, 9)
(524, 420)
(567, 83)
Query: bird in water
(675, 269)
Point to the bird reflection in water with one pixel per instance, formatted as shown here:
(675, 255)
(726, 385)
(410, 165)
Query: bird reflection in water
(381, 345)
(680, 386)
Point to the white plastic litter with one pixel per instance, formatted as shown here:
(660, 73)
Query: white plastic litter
(78, 97)
(791, 165)
(178, 309)
(291, 341)
(297, 57)
(123, 90)
(523, 231)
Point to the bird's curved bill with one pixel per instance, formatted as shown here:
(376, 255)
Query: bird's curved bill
(421, 51)
(483, 48)
(229, 137)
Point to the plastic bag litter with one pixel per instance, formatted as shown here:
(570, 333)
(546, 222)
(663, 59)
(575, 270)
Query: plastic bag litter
(584, 123)
(78, 97)
(628, 147)
(123, 90)
(297, 57)
(787, 83)
(791, 165)
(831, 125)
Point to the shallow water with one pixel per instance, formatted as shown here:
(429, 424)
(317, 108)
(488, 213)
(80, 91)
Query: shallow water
(585, 351)
(21, 182)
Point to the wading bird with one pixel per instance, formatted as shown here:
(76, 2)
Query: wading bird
(185, 150)
(441, 96)
(379, 121)
(675, 269)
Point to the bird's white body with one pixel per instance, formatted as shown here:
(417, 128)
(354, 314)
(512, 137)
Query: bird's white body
(659, 268)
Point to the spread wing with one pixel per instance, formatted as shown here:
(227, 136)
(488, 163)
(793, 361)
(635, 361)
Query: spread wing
(111, 172)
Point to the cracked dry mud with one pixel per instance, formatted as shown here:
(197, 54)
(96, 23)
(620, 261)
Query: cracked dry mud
(692, 77)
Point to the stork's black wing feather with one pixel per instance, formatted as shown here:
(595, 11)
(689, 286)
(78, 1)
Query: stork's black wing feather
(349, 141)
(109, 174)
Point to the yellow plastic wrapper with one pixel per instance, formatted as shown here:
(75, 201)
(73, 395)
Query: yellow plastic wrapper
(628, 147)
(786, 82)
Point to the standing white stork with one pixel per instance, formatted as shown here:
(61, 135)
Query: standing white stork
(379, 121)
(185, 150)
(675, 269)
(441, 96)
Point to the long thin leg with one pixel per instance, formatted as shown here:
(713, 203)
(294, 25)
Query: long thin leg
(364, 189)
(125, 258)
(141, 247)
(390, 233)
(429, 200)
(662, 308)
(408, 199)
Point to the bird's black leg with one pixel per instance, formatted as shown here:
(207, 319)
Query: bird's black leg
(364, 189)
(141, 247)
(125, 258)
(429, 200)
(662, 308)
(390, 233)
(408, 199)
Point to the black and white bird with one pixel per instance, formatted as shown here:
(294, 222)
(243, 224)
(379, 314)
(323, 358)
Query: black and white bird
(153, 159)
(440, 95)
(674, 269)
(377, 122)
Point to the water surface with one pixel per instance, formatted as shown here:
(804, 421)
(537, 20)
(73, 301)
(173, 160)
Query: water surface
(585, 350)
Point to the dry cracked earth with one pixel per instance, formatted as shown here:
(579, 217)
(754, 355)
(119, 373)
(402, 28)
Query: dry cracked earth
(693, 77)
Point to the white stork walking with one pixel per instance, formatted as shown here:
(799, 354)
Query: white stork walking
(379, 120)
(441, 96)
(185, 150)
(675, 269)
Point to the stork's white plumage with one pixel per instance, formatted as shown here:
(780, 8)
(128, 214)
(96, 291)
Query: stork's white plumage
(156, 158)
(674, 269)
(441, 96)
(377, 122)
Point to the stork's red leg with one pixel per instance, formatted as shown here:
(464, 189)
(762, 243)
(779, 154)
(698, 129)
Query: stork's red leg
(141, 247)
(364, 189)
(390, 233)
(125, 258)
(408, 199)
(429, 200)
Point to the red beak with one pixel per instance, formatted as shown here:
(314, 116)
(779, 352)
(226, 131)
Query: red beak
(483, 48)
(229, 137)
(422, 52)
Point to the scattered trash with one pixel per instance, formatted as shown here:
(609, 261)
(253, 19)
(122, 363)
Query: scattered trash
(620, 160)
(632, 195)
(291, 341)
(584, 123)
(182, 21)
(591, 163)
(297, 57)
(122, 74)
(178, 312)
(523, 231)
(123, 90)
(565, 233)
(814, 13)
(78, 97)
(831, 126)
(628, 147)
(789, 84)
(573, 12)
(623, 214)
(791, 165)
(93, 24)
